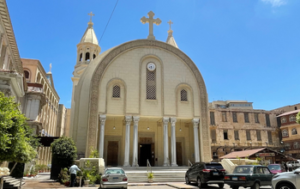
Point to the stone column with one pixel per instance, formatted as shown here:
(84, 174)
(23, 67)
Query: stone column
(166, 141)
(173, 142)
(127, 141)
(135, 141)
(196, 139)
(102, 119)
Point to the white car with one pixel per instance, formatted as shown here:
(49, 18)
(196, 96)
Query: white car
(114, 177)
(287, 180)
(293, 164)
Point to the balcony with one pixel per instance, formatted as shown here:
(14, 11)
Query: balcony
(35, 87)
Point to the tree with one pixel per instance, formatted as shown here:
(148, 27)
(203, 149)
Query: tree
(17, 142)
(64, 152)
(298, 118)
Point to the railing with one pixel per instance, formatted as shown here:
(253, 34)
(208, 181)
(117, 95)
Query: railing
(149, 166)
(190, 163)
(35, 87)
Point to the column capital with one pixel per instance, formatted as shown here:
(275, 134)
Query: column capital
(102, 117)
(128, 118)
(173, 119)
(196, 121)
(136, 118)
(166, 120)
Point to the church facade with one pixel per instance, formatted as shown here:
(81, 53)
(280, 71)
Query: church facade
(142, 100)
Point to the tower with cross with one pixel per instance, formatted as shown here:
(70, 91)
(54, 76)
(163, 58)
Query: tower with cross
(151, 21)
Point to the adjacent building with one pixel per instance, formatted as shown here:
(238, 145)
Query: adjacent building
(41, 105)
(236, 126)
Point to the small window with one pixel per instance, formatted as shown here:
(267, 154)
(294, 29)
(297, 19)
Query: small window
(283, 120)
(296, 145)
(183, 95)
(248, 135)
(87, 56)
(296, 108)
(213, 136)
(234, 117)
(94, 56)
(287, 146)
(256, 118)
(285, 133)
(116, 91)
(292, 118)
(246, 115)
(224, 117)
(294, 131)
(270, 137)
(26, 74)
(225, 134)
(80, 57)
(212, 118)
(268, 120)
(258, 134)
(236, 135)
(151, 85)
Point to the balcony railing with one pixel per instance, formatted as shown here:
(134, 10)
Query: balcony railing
(35, 87)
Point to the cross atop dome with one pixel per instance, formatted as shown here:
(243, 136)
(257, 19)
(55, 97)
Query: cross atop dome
(91, 15)
(151, 21)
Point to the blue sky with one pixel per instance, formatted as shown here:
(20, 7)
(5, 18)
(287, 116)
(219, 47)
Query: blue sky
(244, 49)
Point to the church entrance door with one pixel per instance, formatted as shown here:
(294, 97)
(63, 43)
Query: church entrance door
(112, 153)
(146, 151)
(179, 153)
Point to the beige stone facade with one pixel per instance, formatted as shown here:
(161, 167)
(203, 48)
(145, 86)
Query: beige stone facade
(39, 81)
(131, 111)
(61, 121)
(235, 125)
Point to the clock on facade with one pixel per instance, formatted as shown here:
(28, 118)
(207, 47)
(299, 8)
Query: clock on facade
(151, 66)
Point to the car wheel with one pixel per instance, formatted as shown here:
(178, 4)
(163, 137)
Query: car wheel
(199, 182)
(221, 185)
(285, 186)
(255, 186)
(187, 180)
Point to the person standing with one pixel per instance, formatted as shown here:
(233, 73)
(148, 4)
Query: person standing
(73, 171)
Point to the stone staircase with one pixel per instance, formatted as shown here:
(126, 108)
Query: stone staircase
(11, 183)
(160, 174)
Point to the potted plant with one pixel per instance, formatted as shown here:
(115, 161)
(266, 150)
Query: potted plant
(150, 177)
(86, 177)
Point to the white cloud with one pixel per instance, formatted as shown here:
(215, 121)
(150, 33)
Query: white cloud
(275, 3)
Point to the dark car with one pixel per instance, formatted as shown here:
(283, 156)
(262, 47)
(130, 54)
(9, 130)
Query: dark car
(252, 176)
(205, 173)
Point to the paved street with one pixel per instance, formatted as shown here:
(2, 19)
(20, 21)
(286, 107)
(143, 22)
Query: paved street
(43, 181)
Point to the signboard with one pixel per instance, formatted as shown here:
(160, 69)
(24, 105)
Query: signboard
(265, 154)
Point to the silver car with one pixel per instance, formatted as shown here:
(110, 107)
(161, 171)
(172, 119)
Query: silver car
(114, 177)
(287, 180)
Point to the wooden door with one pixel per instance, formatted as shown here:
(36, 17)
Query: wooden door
(179, 153)
(112, 153)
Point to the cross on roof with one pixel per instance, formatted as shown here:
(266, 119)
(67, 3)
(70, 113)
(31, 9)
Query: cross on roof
(151, 21)
(170, 24)
(91, 15)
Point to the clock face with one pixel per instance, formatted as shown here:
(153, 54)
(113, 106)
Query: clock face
(151, 66)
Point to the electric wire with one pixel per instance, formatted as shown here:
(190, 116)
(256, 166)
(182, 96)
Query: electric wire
(109, 20)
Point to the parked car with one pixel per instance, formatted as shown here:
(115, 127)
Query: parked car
(252, 176)
(276, 168)
(293, 164)
(205, 173)
(114, 177)
(287, 180)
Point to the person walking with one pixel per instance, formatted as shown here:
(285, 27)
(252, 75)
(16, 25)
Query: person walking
(73, 171)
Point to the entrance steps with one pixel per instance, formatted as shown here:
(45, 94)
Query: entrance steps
(160, 174)
(11, 183)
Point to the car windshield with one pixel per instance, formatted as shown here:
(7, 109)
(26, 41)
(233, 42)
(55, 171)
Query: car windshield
(114, 171)
(274, 167)
(243, 169)
(214, 166)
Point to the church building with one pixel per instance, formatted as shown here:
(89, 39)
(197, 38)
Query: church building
(142, 101)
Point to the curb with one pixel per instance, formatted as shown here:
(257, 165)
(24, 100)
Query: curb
(161, 184)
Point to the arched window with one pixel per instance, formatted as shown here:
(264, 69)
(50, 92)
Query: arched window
(151, 85)
(87, 56)
(295, 107)
(94, 56)
(292, 118)
(294, 131)
(183, 95)
(80, 57)
(116, 92)
(26, 74)
(296, 145)
(283, 120)
(285, 133)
